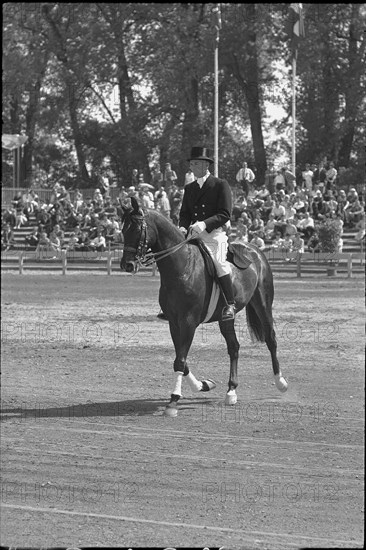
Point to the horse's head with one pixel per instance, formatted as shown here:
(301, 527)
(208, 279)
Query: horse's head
(135, 236)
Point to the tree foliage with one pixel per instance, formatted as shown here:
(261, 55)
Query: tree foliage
(101, 87)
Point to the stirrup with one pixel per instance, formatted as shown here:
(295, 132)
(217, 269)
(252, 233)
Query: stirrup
(228, 313)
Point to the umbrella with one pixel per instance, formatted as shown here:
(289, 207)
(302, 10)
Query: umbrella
(147, 185)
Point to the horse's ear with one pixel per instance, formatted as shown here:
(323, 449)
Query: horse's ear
(135, 206)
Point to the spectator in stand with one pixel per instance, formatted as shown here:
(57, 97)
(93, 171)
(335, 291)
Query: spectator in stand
(267, 207)
(307, 178)
(322, 177)
(289, 209)
(290, 228)
(63, 196)
(73, 242)
(279, 181)
(305, 225)
(287, 243)
(314, 242)
(59, 233)
(241, 234)
(83, 242)
(360, 226)
(262, 193)
(170, 178)
(332, 202)
(354, 213)
(278, 210)
(317, 205)
(299, 203)
(44, 245)
(9, 216)
(240, 206)
(290, 180)
(281, 224)
(20, 219)
(33, 238)
(298, 244)
(162, 203)
(98, 243)
(270, 228)
(314, 168)
(55, 243)
(342, 203)
(245, 177)
(78, 200)
(176, 197)
(134, 178)
(278, 241)
(7, 237)
(189, 177)
(352, 195)
(257, 241)
(144, 197)
(331, 176)
(157, 177)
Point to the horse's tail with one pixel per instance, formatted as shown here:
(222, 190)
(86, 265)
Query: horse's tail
(255, 324)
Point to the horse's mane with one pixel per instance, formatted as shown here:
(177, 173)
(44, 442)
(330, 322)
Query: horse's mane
(163, 221)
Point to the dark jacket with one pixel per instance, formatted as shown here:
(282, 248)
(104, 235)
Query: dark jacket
(211, 204)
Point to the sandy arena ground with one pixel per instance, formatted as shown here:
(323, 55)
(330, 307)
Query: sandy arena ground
(88, 459)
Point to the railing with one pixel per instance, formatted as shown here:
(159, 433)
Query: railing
(294, 261)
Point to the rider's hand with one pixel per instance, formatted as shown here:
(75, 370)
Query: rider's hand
(197, 228)
(183, 230)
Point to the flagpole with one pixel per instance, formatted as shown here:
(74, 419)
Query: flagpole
(293, 141)
(216, 106)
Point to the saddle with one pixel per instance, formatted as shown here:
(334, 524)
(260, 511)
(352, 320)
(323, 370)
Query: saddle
(238, 254)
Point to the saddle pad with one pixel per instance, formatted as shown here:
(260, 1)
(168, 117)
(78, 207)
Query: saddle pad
(215, 295)
(239, 255)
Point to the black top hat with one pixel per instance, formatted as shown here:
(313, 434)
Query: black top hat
(200, 153)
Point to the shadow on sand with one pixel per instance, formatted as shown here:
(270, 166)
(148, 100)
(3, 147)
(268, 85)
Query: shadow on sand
(128, 408)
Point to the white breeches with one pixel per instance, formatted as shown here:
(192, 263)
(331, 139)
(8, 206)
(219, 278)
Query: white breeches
(217, 243)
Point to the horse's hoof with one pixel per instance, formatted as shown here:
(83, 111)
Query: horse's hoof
(171, 411)
(281, 383)
(208, 385)
(231, 398)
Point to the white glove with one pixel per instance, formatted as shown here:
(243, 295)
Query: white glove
(183, 230)
(197, 228)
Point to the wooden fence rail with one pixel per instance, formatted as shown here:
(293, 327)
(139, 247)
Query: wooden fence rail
(299, 262)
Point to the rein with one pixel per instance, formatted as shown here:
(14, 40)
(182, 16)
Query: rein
(144, 258)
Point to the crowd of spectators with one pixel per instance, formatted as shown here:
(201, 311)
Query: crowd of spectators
(285, 213)
(282, 214)
(90, 223)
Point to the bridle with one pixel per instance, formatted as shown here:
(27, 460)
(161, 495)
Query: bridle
(144, 258)
(141, 249)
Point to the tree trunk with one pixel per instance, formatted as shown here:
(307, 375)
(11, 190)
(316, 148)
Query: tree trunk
(352, 91)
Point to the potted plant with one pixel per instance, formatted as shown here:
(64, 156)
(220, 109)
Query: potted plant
(330, 232)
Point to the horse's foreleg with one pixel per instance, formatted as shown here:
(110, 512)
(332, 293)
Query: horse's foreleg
(228, 331)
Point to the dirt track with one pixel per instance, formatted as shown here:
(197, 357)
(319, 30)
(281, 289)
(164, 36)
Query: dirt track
(89, 460)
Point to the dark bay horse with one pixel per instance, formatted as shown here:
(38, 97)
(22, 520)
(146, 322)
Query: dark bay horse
(185, 293)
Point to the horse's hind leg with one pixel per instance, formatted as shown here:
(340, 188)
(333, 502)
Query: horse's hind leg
(227, 329)
(260, 321)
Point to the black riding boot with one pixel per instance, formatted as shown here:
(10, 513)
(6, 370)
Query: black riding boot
(226, 285)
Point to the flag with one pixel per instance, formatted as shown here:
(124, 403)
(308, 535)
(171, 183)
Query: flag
(216, 13)
(295, 27)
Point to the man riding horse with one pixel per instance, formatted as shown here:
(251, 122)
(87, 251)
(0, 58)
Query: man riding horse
(205, 214)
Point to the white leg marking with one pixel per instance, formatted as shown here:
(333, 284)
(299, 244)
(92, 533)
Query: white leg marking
(280, 382)
(194, 384)
(178, 384)
(231, 398)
